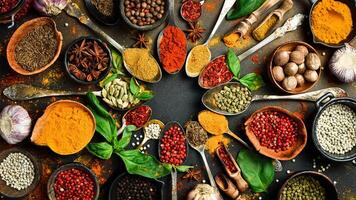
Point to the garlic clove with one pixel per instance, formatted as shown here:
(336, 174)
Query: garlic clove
(343, 64)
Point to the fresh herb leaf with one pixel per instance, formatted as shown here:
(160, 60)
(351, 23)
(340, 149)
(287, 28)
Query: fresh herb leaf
(234, 63)
(243, 8)
(108, 79)
(145, 95)
(102, 150)
(143, 164)
(183, 168)
(125, 139)
(257, 170)
(134, 87)
(117, 62)
(253, 81)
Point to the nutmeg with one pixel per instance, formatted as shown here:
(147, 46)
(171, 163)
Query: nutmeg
(281, 58)
(297, 57)
(289, 83)
(302, 49)
(312, 61)
(277, 73)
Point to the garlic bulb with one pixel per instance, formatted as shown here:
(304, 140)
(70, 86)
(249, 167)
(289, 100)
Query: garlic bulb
(15, 124)
(50, 7)
(343, 64)
(204, 192)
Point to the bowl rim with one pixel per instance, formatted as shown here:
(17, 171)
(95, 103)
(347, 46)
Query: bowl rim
(271, 65)
(77, 165)
(146, 27)
(14, 9)
(106, 20)
(105, 48)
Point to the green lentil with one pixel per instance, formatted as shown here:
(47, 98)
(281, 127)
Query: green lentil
(305, 188)
(232, 99)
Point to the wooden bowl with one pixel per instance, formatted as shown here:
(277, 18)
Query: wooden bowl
(14, 193)
(20, 33)
(325, 182)
(290, 46)
(50, 184)
(292, 151)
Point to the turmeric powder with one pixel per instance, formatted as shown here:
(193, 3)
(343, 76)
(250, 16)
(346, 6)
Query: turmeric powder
(261, 32)
(66, 127)
(331, 21)
(213, 123)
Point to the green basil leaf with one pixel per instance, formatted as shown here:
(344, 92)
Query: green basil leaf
(183, 168)
(257, 170)
(116, 60)
(125, 139)
(134, 87)
(145, 95)
(252, 81)
(143, 164)
(108, 79)
(243, 8)
(101, 150)
(234, 63)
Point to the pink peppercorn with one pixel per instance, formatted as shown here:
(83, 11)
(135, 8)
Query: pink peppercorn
(173, 147)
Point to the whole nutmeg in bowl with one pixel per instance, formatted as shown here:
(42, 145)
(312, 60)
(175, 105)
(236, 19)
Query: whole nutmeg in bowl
(295, 67)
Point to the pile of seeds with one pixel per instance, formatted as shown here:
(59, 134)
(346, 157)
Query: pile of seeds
(173, 147)
(195, 133)
(144, 12)
(303, 187)
(138, 116)
(233, 99)
(336, 129)
(7, 5)
(17, 170)
(37, 48)
(105, 7)
(117, 94)
(136, 188)
(153, 131)
(87, 60)
(225, 158)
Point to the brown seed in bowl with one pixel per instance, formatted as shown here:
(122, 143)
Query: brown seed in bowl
(303, 49)
(291, 69)
(289, 83)
(312, 61)
(278, 73)
(297, 57)
(281, 58)
(311, 75)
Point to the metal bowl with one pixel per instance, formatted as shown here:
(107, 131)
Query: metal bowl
(106, 20)
(102, 45)
(52, 178)
(146, 27)
(324, 102)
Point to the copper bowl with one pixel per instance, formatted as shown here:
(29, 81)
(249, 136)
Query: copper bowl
(20, 33)
(290, 46)
(292, 151)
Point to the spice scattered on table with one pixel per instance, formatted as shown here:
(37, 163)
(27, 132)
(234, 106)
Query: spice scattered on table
(17, 170)
(233, 99)
(274, 130)
(74, 184)
(136, 188)
(145, 12)
(226, 159)
(336, 129)
(37, 48)
(173, 49)
(118, 95)
(141, 64)
(152, 131)
(138, 116)
(173, 149)
(303, 187)
(195, 133)
(87, 60)
(214, 142)
(191, 10)
(216, 73)
(198, 59)
(105, 7)
(193, 174)
(341, 17)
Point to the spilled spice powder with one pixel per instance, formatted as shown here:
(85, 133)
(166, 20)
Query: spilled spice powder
(239, 43)
(213, 143)
(255, 58)
(214, 41)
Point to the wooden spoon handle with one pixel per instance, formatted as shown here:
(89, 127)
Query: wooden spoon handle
(229, 132)
(242, 185)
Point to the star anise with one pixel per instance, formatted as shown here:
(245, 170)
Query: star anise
(141, 41)
(195, 31)
(192, 174)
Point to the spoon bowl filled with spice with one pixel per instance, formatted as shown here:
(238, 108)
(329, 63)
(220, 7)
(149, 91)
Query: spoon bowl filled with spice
(104, 11)
(138, 116)
(34, 46)
(152, 130)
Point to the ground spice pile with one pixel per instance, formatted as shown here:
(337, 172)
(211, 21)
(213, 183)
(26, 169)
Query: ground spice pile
(105, 7)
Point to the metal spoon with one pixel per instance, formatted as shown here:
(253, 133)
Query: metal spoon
(145, 137)
(226, 7)
(209, 102)
(72, 9)
(171, 22)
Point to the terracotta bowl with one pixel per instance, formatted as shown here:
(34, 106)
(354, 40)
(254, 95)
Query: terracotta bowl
(288, 154)
(20, 33)
(290, 46)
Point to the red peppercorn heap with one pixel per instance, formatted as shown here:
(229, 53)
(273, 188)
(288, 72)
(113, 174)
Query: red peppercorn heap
(216, 73)
(74, 184)
(226, 159)
(173, 146)
(191, 10)
(7, 5)
(138, 116)
(274, 130)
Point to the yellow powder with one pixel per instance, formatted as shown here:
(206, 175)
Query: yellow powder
(231, 39)
(214, 41)
(234, 41)
(261, 32)
(213, 143)
(213, 123)
(199, 58)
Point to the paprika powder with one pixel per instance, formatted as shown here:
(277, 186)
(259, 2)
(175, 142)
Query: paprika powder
(173, 49)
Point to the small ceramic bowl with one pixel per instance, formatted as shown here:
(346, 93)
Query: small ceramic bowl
(50, 185)
(20, 33)
(325, 182)
(102, 45)
(14, 193)
(292, 151)
(98, 16)
(146, 27)
(290, 46)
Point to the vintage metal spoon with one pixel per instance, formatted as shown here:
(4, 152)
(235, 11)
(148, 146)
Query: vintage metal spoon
(72, 9)
(226, 7)
(209, 102)
(145, 135)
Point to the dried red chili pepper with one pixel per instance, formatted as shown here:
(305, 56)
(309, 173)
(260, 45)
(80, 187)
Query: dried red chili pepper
(138, 116)
(173, 147)
(191, 10)
(216, 73)
(226, 159)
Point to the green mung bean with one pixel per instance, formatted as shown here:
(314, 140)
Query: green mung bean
(233, 99)
(303, 187)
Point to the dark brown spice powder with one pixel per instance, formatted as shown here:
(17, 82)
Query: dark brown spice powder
(105, 7)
